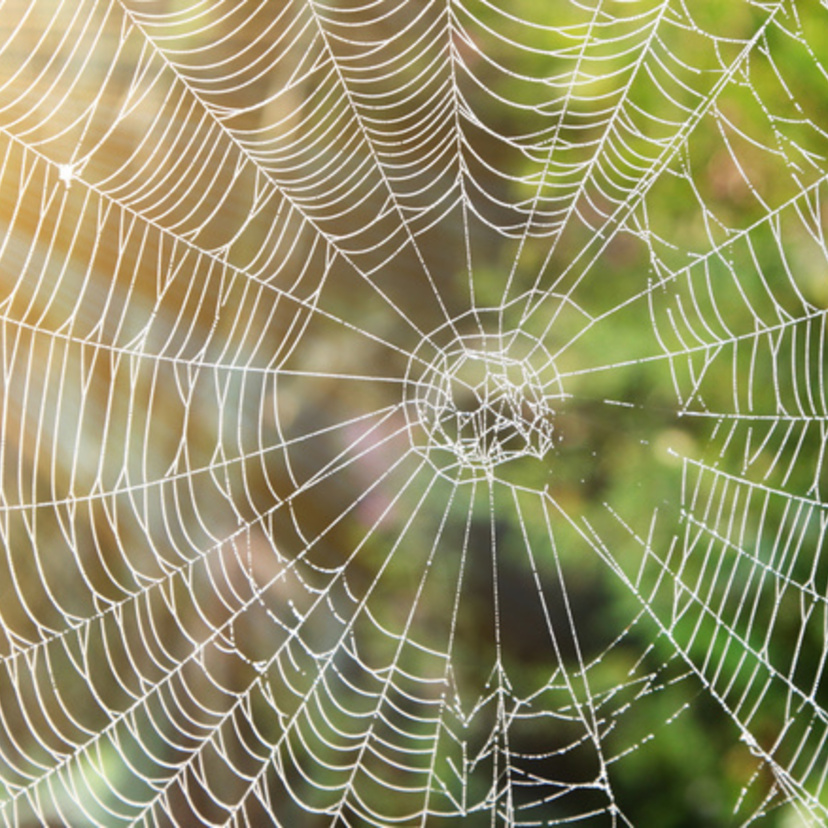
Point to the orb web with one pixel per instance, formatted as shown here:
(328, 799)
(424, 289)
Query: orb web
(413, 413)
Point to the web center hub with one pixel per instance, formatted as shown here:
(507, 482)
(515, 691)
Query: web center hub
(480, 401)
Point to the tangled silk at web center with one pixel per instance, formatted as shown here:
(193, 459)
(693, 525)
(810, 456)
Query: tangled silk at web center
(480, 400)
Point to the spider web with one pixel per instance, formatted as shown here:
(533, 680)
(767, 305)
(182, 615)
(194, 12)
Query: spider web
(413, 413)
